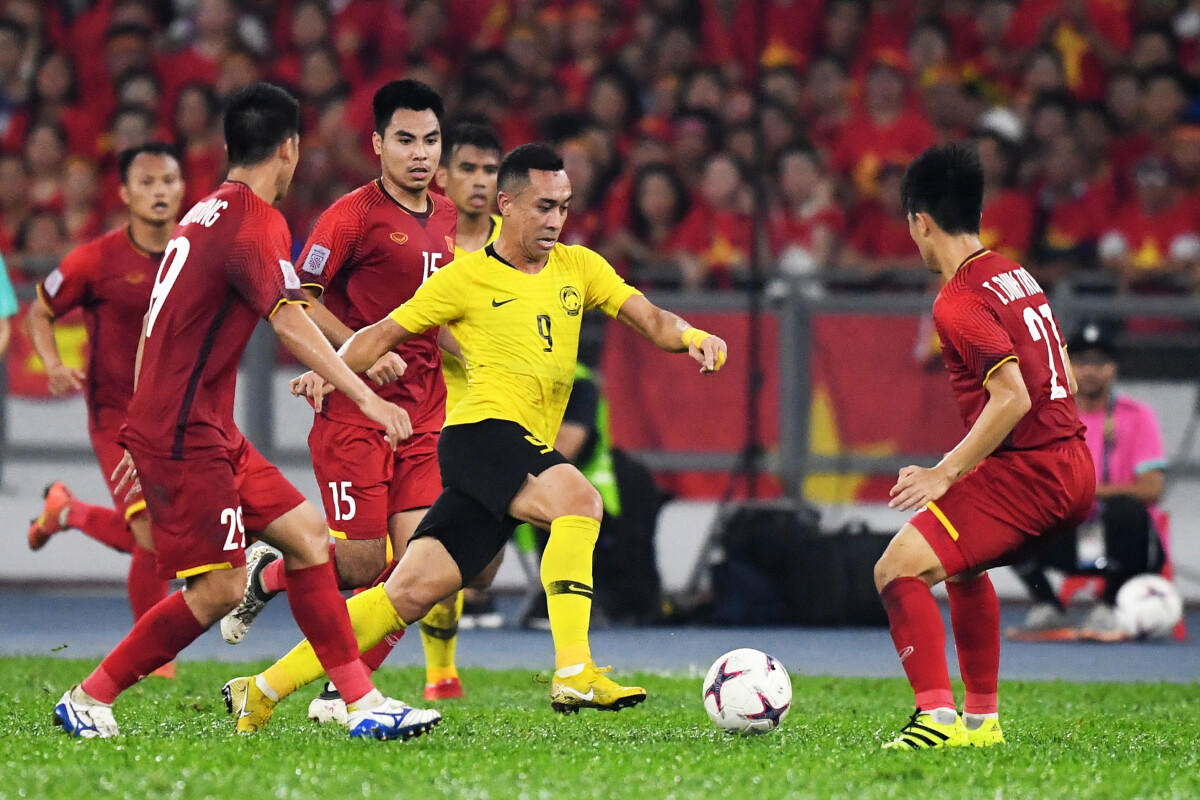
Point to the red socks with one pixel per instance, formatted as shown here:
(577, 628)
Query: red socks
(975, 617)
(156, 638)
(920, 639)
(274, 575)
(321, 613)
(103, 524)
(146, 589)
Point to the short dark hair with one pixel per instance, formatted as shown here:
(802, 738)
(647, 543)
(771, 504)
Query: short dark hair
(19, 31)
(133, 110)
(259, 118)
(126, 157)
(470, 133)
(946, 182)
(128, 29)
(408, 94)
(515, 167)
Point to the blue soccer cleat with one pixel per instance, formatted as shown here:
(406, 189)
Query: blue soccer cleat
(391, 719)
(83, 718)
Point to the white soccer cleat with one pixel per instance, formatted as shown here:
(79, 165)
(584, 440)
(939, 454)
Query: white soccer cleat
(391, 719)
(84, 718)
(236, 623)
(328, 706)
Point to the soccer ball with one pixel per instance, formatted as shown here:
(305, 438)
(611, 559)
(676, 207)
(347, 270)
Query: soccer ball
(1149, 606)
(747, 691)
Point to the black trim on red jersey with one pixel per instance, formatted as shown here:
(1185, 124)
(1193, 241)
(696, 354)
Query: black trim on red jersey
(422, 217)
(189, 395)
(491, 251)
(138, 248)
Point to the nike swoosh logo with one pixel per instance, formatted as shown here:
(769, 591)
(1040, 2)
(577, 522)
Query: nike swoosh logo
(497, 303)
(591, 693)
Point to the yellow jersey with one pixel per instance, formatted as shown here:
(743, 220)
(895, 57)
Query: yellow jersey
(453, 370)
(518, 332)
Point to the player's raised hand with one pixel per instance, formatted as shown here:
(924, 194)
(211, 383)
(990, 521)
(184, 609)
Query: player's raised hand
(394, 419)
(64, 379)
(128, 477)
(388, 368)
(312, 386)
(709, 353)
(917, 486)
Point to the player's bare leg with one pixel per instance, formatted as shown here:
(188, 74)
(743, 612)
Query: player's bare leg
(562, 500)
(903, 576)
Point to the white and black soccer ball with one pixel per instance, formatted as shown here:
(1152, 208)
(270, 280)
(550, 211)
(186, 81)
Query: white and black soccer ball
(1149, 606)
(747, 691)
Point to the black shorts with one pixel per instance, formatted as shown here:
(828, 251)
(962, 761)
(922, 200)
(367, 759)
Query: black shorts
(484, 465)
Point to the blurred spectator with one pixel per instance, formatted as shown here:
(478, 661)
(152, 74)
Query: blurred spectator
(45, 155)
(1069, 211)
(238, 69)
(55, 99)
(14, 87)
(1091, 37)
(1153, 242)
(1163, 98)
(714, 248)
(8, 308)
(140, 87)
(1184, 153)
(841, 29)
(1007, 223)
(658, 206)
(83, 216)
(825, 102)
(200, 141)
(878, 242)
(1155, 46)
(928, 47)
(885, 128)
(41, 243)
(806, 224)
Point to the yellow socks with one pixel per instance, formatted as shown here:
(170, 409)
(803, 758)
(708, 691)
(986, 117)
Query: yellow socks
(567, 578)
(373, 617)
(439, 636)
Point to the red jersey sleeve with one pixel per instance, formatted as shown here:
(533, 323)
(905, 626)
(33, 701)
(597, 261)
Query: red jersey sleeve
(259, 269)
(69, 285)
(966, 323)
(331, 244)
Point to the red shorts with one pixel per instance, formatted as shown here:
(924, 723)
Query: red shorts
(1006, 506)
(201, 507)
(109, 454)
(364, 482)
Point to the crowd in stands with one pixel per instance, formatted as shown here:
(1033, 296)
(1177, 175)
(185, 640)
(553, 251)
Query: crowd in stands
(1085, 113)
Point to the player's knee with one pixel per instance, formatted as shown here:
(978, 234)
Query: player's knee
(883, 575)
(583, 501)
(359, 563)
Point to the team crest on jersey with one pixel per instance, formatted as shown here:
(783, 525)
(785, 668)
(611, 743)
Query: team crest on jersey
(135, 278)
(572, 301)
(398, 237)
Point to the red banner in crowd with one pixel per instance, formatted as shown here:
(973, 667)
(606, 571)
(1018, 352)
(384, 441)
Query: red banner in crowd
(26, 372)
(878, 389)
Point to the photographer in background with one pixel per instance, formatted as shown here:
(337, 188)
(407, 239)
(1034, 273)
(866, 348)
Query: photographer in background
(1123, 437)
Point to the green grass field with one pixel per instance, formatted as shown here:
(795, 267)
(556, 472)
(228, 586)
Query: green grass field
(1065, 740)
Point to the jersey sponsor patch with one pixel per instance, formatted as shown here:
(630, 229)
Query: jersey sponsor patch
(290, 279)
(53, 283)
(315, 263)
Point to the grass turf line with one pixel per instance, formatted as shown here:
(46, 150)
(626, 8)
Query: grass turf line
(502, 741)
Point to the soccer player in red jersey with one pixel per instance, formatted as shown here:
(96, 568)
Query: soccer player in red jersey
(370, 252)
(1021, 473)
(225, 267)
(110, 278)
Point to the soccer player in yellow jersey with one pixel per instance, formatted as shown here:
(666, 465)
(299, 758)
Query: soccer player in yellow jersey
(515, 308)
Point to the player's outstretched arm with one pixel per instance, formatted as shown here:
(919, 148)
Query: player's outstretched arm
(1008, 401)
(300, 336)
(39, 324)
(671, 333)
(366, 347)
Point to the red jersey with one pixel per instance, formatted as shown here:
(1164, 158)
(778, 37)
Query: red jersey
(368, 255)
(226, 267)
(110, 278)
(993, 311)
